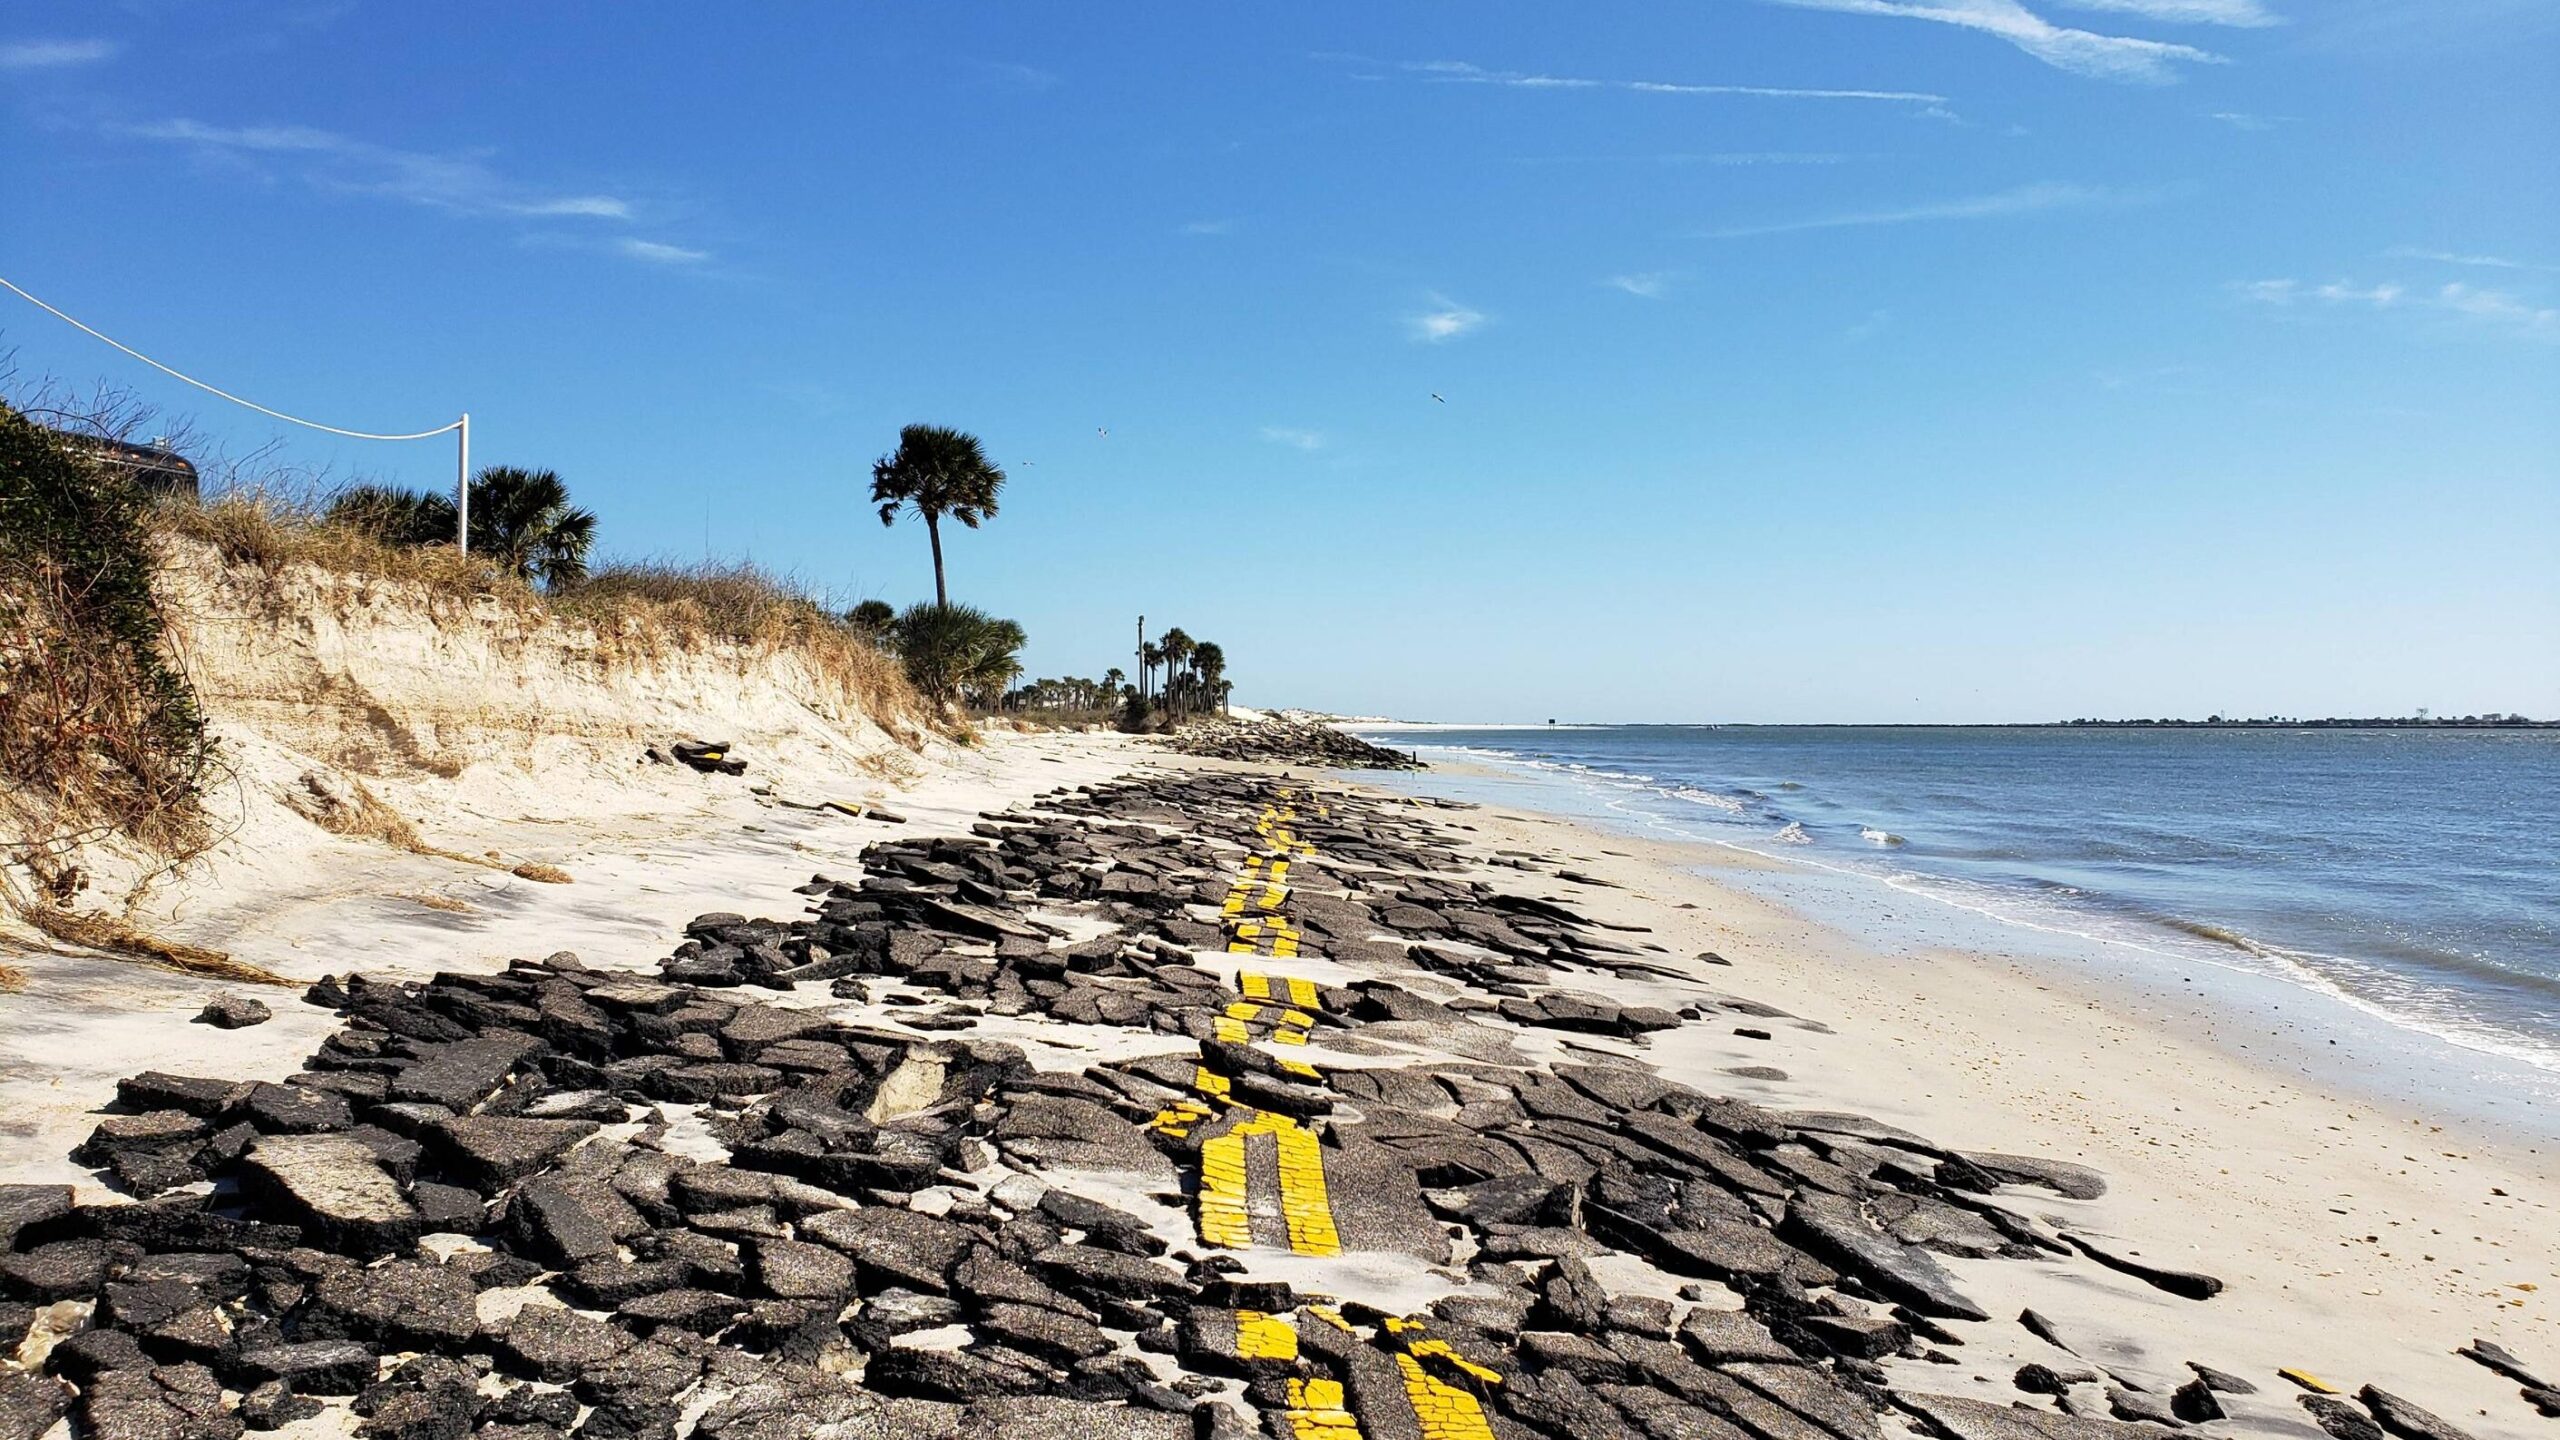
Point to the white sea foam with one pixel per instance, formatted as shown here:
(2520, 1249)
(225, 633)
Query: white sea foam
(1874, 836)
(1793, 834)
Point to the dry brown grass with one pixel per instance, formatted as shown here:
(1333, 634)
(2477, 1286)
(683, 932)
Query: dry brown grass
(546, 874)
(12, 979)
(638, 610)
(100, 931)
(645, 606)
(433, 901)
(268, 531)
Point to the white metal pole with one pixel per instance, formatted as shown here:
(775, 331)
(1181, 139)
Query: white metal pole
(462, 489)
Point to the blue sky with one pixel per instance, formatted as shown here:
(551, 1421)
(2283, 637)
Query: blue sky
(1801, 359)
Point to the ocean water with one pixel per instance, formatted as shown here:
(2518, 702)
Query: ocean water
(2411, 876)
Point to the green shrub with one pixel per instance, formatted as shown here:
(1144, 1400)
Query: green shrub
(98, 729)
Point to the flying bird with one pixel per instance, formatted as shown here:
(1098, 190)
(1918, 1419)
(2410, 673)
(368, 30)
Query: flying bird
(1436, 395)
(1102, 430)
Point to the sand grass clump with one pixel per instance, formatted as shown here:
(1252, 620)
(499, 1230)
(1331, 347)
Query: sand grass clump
(642, 606)
(433, 901)
(270, 531)
(545, 874)
(100, 931)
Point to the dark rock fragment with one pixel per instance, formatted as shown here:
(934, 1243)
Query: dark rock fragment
(2406, 1420)
(234, 1012)
(312, 1367)
(493, 1150)
(399, 1302)
(336, 1188)
(550, 1343)
(1833, 1230)
(2222, 1381)
(2340, 1419)
(30, 1403)
(2177, 1282)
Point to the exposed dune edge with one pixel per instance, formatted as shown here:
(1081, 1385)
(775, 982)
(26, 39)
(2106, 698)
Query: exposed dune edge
(358, 715)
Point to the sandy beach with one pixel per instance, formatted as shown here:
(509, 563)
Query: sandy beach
(2359, 1244)
(2354, 1245)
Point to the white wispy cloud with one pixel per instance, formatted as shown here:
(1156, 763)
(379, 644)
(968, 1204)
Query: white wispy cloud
(2453, 257)
(1647, 285)
(54, 54)
(463, 183)
(2498, 308)
(660, 253)
(1461, 72)
(2083, 52)
(1209, 227)
(1446, 320)
(2242, 120)
(1293, 437)
(2194, 12)
(2024, 200)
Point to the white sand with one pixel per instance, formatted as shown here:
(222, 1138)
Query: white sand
(83, 1022)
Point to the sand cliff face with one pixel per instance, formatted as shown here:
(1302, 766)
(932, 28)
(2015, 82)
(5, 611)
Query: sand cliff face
(356, 714)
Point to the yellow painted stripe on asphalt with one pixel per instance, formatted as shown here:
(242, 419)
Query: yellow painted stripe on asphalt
(1301, 1069)
(1286, 1036)
(1303, 1201)
(1224, 1221)
(1209, 1082)
(1230, 1031)
(1315, 1412)
(1444, 1411)
(1265, 1337)
(1302, 993)
(1255, 986)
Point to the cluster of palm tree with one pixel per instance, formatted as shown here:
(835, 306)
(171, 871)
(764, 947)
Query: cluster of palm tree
(1070, 694)
(1194, 673)
(520, 519)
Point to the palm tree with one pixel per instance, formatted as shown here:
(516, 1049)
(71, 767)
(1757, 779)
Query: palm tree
(936, 471)
(1112, 680)
(1210, 660)
(523, 521)
(1177, 648)
(1150, 655)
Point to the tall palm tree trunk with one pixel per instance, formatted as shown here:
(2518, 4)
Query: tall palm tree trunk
(933, 531)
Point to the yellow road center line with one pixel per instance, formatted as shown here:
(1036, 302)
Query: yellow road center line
(1265, 1337)
(1444, 1411)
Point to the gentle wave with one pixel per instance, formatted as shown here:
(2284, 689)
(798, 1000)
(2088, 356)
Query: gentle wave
(2062, 909)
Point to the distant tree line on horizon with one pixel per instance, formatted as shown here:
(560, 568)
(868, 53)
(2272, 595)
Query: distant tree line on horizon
(2420, 721)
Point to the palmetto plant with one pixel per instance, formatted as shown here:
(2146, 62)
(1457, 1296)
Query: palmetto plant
(522, 520)
(936, 471)
(955, 652)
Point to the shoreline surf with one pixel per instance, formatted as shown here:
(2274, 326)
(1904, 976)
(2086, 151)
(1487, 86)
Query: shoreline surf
(2387, 1036)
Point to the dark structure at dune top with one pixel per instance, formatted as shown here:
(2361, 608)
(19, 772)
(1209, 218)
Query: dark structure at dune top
(848, 1175)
